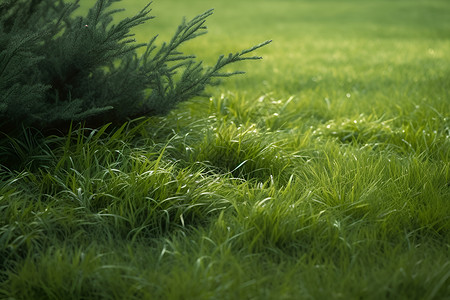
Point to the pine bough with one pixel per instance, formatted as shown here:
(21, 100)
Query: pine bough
(56, 68)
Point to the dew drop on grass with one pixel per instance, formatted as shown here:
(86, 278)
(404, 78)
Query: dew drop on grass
(337, 224)
(327, 101)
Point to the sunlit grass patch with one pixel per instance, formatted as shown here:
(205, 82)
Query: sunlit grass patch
(430, 139)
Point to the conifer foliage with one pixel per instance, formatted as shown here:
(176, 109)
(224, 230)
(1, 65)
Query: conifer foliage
(56, 68)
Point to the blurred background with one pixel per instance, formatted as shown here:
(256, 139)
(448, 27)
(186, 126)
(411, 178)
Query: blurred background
(316, 43)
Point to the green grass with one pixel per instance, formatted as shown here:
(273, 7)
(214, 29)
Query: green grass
(324, 173)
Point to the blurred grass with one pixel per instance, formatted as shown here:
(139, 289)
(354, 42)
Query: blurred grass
(323, 49)
(365, 46)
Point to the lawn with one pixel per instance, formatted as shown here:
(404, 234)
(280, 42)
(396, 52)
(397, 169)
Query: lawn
(322, 173)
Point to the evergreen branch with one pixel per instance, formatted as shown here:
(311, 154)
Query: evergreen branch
(87, 69)
(96, 11)
(121, 30)
(18, 45)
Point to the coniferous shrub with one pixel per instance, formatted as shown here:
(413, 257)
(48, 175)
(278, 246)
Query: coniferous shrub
(56, 68)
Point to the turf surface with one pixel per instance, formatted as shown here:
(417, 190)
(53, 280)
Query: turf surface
(323, 173)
